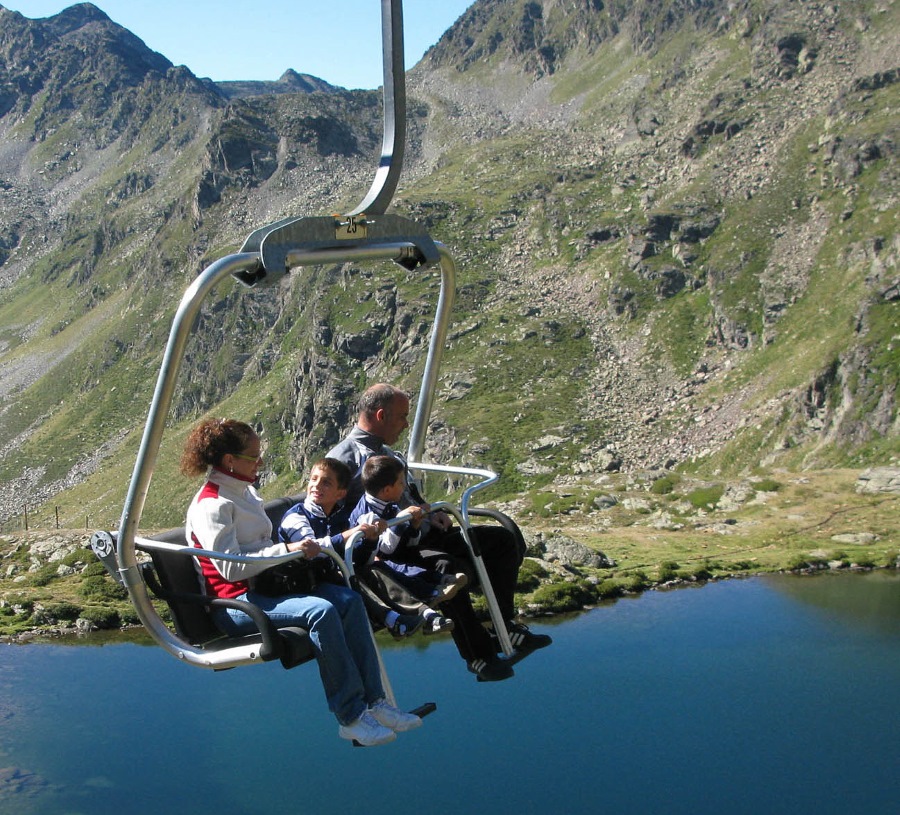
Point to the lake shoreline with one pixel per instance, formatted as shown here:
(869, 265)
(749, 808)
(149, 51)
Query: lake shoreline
(635, 535)
(95, 635)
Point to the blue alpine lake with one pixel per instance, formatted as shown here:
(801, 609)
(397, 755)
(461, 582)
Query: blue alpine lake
(766, 695)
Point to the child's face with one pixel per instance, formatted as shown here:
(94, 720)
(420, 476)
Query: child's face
(395, 491)
(323, 488)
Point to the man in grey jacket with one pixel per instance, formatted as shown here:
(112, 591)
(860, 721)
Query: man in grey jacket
(383, 415)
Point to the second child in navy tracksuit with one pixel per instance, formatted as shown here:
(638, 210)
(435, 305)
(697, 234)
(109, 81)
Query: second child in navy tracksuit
(384, 481)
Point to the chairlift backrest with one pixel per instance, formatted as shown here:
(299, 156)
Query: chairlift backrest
(178, 575)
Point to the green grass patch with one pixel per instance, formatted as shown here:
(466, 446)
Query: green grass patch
(706, 497)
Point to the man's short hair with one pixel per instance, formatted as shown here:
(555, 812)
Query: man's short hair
(378, 397)
(337, 468)
(379, 472)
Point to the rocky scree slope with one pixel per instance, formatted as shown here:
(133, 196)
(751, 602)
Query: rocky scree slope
(675, 225)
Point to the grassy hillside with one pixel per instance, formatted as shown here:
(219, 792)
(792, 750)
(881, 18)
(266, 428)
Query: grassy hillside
(675, 231)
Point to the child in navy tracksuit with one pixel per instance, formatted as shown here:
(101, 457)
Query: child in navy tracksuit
(320, 522)
(384, 481)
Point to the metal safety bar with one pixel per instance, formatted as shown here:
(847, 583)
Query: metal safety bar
(151, 545)
(462, 518)
(237, 654)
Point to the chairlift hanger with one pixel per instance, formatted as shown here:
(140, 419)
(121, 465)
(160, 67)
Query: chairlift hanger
(365, 233)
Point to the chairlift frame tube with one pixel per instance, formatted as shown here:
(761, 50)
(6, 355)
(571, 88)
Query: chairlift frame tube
(436, 345)
(146, 461)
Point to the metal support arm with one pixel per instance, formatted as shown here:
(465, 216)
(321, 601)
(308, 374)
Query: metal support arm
(393, 142)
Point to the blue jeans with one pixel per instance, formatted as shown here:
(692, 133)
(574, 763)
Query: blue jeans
(339, 629)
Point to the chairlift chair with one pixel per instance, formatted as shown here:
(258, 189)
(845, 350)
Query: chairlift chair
(365, 233)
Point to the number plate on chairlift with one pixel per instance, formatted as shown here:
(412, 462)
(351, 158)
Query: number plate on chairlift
(350, 227)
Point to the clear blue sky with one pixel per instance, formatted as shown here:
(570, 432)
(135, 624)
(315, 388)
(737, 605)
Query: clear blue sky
(336, 40)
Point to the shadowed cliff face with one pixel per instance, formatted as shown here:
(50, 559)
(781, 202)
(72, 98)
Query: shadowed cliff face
(675, 226)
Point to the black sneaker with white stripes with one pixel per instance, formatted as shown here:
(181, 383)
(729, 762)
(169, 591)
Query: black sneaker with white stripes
(490, 670)
(524, 639)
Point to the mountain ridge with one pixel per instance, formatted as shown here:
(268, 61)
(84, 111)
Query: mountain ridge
(675, 225)
(289, 82)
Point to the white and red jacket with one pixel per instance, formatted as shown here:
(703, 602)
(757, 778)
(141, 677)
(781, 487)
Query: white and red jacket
(227, 515)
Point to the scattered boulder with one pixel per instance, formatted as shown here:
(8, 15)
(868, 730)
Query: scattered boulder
(857, 538)
(879, 479)
(561, 549)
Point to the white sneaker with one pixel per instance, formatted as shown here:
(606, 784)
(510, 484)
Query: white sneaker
(366, 731)
(394, 718)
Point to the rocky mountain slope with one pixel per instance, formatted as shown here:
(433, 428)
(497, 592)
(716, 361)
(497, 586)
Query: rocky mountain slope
(675, 223)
